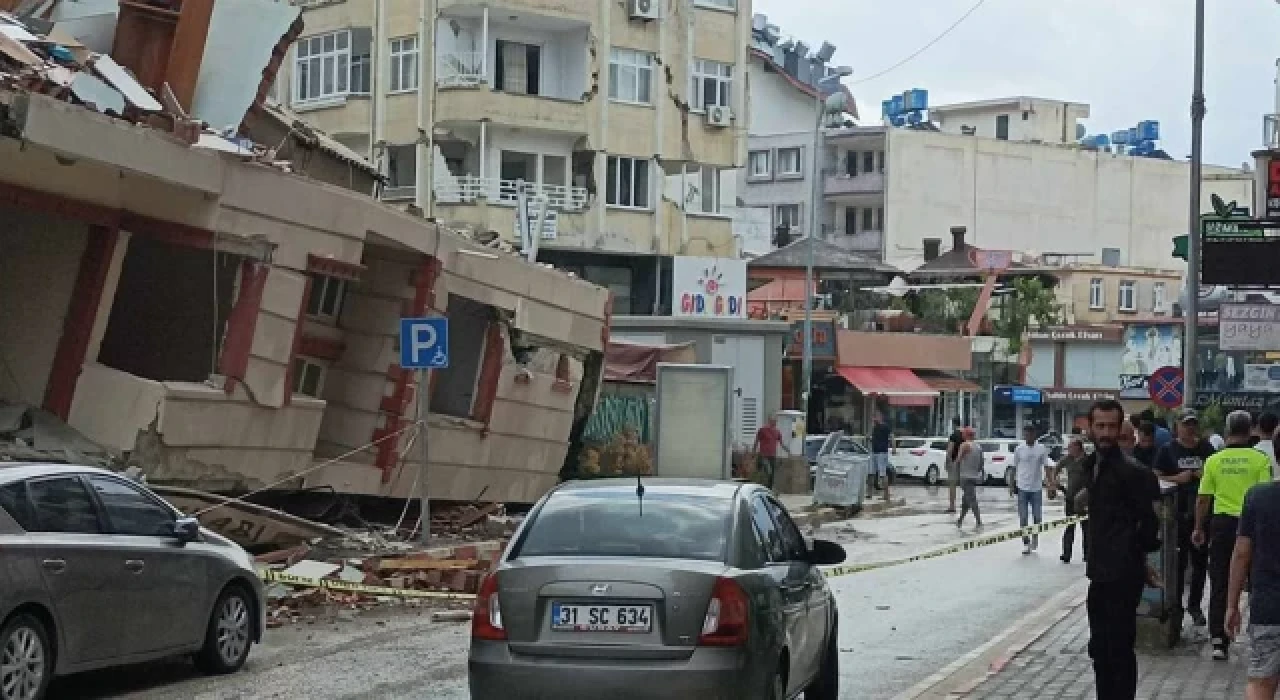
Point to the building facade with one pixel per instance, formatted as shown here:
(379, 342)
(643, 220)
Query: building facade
(621, 117)
(1029, 119)
(886, 186)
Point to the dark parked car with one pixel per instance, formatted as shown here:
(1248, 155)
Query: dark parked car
(663, 588)
(96, 571)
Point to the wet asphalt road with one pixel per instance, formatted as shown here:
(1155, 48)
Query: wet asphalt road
(898, 624)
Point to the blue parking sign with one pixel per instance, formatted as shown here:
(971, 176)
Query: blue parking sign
(424, 343)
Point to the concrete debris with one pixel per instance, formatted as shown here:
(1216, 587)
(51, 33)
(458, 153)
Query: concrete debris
(31, 434)
(309, 568)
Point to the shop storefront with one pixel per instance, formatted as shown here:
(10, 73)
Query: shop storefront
(1014, 407)
(1069, 408)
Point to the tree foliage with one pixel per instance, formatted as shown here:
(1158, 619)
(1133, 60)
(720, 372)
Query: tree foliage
(1029, 305)
(939, 310)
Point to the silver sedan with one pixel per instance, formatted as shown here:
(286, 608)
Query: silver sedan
(657, 588)
(96, 571)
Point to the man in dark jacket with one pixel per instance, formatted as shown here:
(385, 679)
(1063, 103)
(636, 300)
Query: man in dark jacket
(1122, 528)
(1071, 470)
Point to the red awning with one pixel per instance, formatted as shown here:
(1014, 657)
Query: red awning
(901, 386)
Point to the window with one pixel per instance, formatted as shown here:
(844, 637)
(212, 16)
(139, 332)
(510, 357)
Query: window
(404, 64)
(711, 81)
(869, 162)
(13, 499)
(788, 161)
(758, 164)
(787, 215)
(791, 537)
(130, 511)
(1096, 292)
(868, 219)
(1157, 298)
(627, 183)
(1002, 127)
(456, 387)
(851, 163)
(62, 505)
(706, 198)
(630, 76)
(402, 166)
(880, 161)
(325, 301)
(768, 532)
(1128, 296)
(725, 4)
(879, 219)
(607, 522)
(850, 220)
(519, 68)
(308, 377)
(328, 66)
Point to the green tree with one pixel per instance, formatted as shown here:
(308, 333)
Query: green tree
(1030, 304)
(939, 310)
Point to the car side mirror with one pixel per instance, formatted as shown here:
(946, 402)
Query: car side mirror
(186, 529)
(825, 553)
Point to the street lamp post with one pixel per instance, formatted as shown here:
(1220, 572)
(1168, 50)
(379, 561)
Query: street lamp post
(825, 86)
(1192, 311)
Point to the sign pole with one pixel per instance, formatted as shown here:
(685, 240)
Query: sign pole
(1192, 312)
(424, 384)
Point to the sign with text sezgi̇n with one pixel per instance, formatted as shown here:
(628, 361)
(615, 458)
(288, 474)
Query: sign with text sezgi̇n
(1166, 387)
(424, 343)
(1249, 327)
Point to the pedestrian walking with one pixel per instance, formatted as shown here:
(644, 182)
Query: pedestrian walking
(1072, 467)
(1031, 470)
(1182, 463)
(881, 440)
(768, 442)
(1256, 558)
(1162, 435)
(1228, 476)
(969, 466)
(953, 469)
(1122, 528)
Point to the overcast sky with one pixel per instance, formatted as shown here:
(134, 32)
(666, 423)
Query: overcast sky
(1128, 59)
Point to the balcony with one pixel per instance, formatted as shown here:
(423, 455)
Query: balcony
(466, 189)
(460, 69)
(842, 185)
(865, 242)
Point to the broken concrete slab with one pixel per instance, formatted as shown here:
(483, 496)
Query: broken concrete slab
(310, 568)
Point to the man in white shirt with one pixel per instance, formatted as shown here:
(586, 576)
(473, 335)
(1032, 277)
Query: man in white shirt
(1031, 466)
(1266, 431)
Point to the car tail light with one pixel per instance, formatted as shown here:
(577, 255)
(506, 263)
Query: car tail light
(486, 618)
(918, 453)
(726, 622)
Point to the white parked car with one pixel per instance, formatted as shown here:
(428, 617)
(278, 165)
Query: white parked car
(997, 459)
(920, 458)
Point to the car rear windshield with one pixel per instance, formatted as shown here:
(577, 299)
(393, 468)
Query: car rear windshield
(616, 523)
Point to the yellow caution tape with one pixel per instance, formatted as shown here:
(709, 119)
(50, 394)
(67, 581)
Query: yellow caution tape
(349, 587)
(984, 541)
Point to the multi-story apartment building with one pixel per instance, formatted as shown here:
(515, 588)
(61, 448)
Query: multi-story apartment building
(887, 187)
(776, 186)
(620, 116)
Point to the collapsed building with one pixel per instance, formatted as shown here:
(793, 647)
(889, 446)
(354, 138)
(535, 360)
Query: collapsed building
(200, 284)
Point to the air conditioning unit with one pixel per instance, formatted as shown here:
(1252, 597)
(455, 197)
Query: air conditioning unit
(719, 116)
(644, 9)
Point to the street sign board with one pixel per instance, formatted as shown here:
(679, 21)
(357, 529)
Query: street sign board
(1249, 327)
(991, 260)
(1239, 251)
(424, 343)
(1166, 387)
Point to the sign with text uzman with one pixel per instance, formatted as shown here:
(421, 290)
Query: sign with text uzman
(709, 287)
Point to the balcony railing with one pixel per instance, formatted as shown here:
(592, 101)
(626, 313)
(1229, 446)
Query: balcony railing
(460, 69)
(866, 183)
(463, 189)
(1271, 131)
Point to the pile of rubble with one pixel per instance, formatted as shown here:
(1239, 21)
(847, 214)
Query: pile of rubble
(362, 583)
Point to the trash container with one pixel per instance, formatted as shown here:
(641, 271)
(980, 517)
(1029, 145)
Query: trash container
(1160, 611)
(840, 478)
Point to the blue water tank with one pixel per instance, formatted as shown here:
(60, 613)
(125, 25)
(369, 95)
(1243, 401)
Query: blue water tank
(1120, 138)
(898, 120)
(886, 109)
(1102, 141)
(899, 105)
(1149, 130)
(915, 116)
(1133, 135)
(916, 99)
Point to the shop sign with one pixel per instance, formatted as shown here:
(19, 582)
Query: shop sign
(823, 343)
(1134, 386)
(1249, 327)
(709, 287)
(1077, 334)
(1080, 395)
(1018, 394)
(1262, 378)
(1238, 400)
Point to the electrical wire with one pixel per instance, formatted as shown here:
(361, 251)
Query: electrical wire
(924, 48)
(241, 499)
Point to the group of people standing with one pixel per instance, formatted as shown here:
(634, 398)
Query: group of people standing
(1227, 508)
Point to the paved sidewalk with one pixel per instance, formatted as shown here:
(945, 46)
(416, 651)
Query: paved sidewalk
(1056, 666)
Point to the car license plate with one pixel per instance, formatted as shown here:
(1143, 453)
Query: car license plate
(601, 618)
